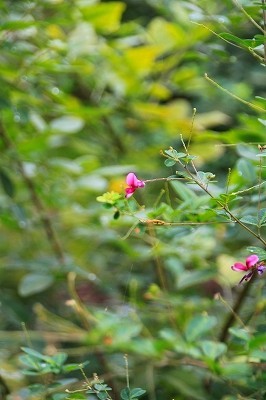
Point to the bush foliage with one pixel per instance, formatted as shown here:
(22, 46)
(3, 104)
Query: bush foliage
(103, 295)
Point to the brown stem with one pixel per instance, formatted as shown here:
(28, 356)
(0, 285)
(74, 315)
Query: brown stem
(236, 307)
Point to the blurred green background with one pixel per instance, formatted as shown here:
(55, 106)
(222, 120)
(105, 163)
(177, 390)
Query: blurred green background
(92, 90)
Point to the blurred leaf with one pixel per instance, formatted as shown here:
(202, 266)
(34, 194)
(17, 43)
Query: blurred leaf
(105, 17)
(130, 394)
(257, 250)
(183, 191)
(262, 216)
(67, 124)
(7, 184)
(240, 333)
(191, 278)
(237, 370)
(250, 220)
(213, 350)
(198, 326)
(169, 163)
(34, 283)
(246, 170)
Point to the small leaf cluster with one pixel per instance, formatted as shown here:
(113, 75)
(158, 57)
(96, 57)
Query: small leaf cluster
(36, 363)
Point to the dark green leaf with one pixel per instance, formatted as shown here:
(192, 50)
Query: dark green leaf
(125, 394)
(7, 184)
(137, 392)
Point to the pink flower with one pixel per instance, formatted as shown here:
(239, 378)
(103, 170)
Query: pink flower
(133, 184)
(250, 262)
(252, 265)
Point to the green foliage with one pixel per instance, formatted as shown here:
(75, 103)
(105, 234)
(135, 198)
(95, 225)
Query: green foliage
(93, 90)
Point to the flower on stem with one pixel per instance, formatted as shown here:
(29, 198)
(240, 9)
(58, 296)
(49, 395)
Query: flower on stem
(133, 184)
(252, 265)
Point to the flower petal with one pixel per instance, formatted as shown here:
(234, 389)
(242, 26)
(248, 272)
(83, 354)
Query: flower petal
(130, 179)
(129, 191)
(239, 267)
(252, 260)
(140, 183)
(261, 269)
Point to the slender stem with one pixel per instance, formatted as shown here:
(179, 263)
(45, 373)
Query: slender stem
(162, 179)
(247, 15)
(127, 370)
(236, 307)
(225, 207)
(247, 103)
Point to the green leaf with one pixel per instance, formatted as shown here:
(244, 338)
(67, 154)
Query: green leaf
(35, 354)
(191, 278)
(236, 370)
(67, 124)
(137, 392)
(130, 394)
(105, 17)
(29, 362)
(250, 220)
(7, 184)
(34, 283)
(76, 396)
(125, 394)
(60, 358)
(246, 170)
(102, 395)
(262, 217)
(101, 387)
(213, 350)
(260, 354)
(198, 326)
(205, 177)
(183, 191)
(169, 163)
(109, 198)
(240, 333)
(257, 342)
(17, 25)
(71, 367)
(261, 253)
(171, 153)
(232, 38)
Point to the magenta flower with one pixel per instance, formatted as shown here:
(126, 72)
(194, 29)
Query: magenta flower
(133, 184)
(252, 265)
(250, 262)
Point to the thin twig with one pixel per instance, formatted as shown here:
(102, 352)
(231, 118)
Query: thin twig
(247, 103)
(236, 307)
